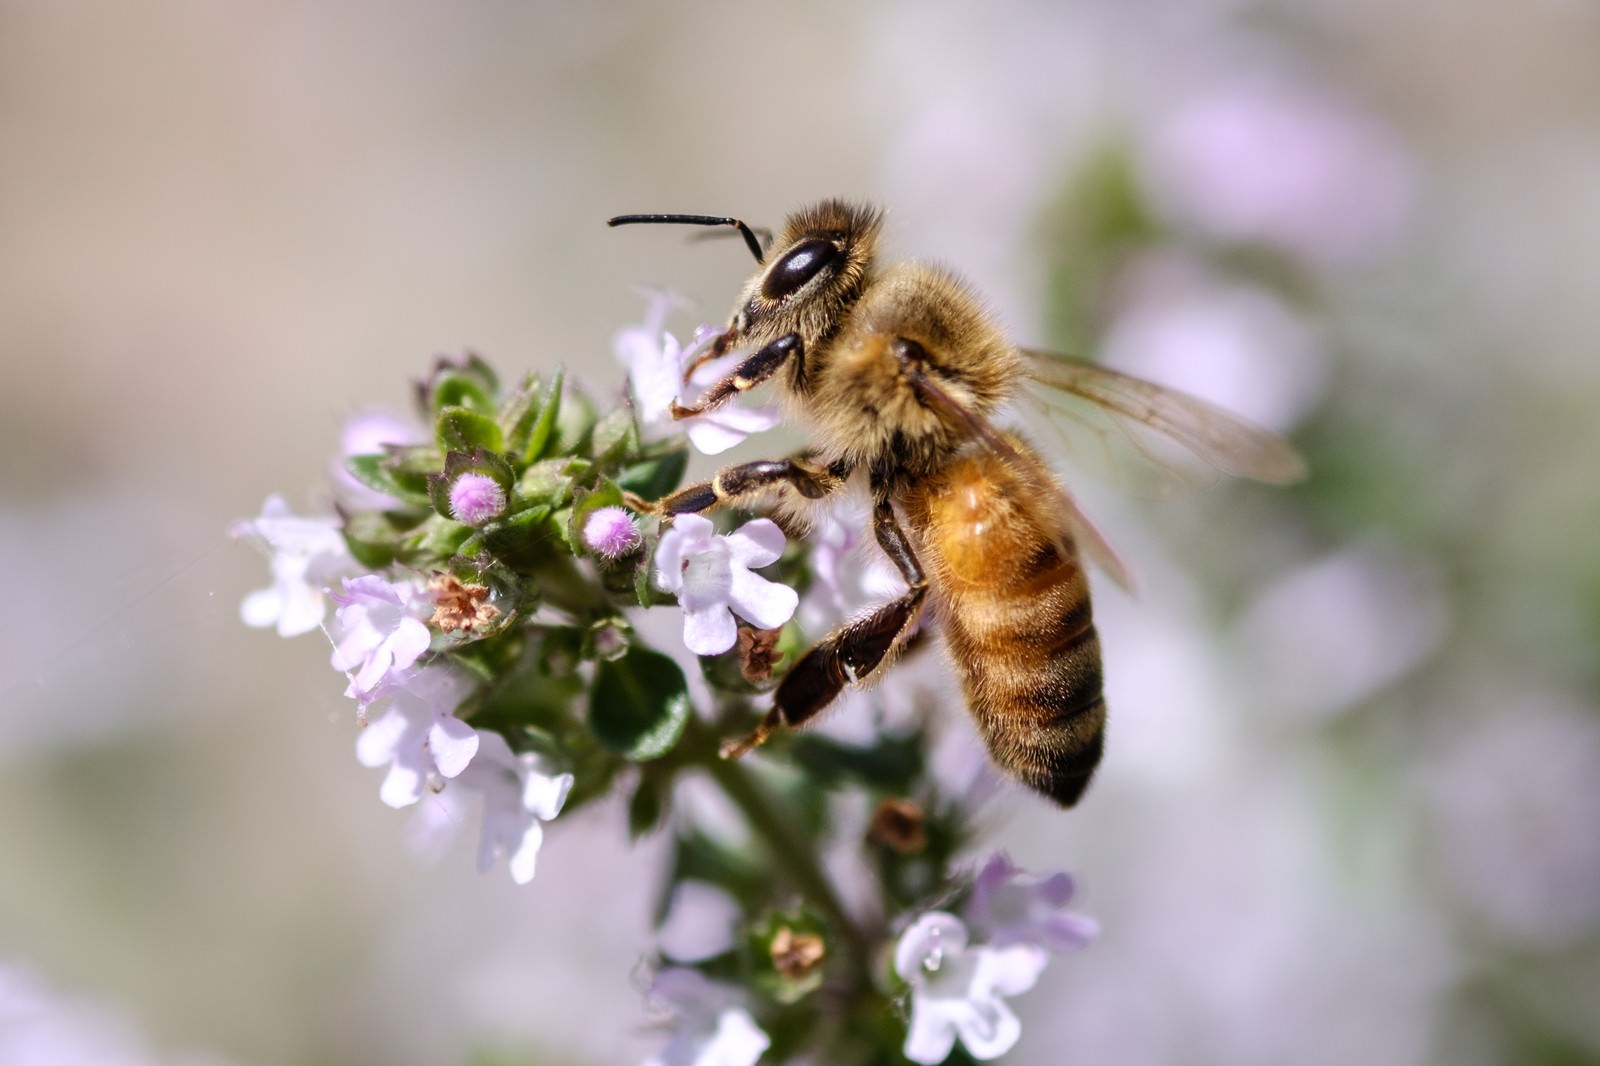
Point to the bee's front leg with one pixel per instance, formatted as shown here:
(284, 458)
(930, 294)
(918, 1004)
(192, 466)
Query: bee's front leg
(747, 375)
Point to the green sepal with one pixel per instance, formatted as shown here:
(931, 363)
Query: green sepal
(466, 381)
(385, 473)
(655, 476)
(479, 461)
(461, 429)
(608, 639)
(529, 435)
(802, 921)
(640, 704)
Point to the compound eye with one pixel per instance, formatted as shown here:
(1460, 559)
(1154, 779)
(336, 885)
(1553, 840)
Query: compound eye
(799, 265)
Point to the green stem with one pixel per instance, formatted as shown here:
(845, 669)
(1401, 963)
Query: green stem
(790, 847)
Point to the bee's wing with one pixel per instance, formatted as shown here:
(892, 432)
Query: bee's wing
(1051, 507)
(1136, 423)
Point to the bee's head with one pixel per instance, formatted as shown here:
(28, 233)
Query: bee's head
(810, 277)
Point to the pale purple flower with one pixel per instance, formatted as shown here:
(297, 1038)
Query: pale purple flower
(1254, 158)
(43, 1026)
(709, 1027)
(307, 554)
(475, 498)
(1009, 907)
(851, 571)
(610, 532)
(367, 433)
(957, 990)
(655, 360)
(520, 793)
(419, 734)
(380, 630)
(710, 573)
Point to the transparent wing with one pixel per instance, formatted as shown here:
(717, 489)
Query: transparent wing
(1051, 507)
(1150, 439)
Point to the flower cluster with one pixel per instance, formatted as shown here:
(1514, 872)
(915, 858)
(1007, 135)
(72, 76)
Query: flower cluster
(477, 584)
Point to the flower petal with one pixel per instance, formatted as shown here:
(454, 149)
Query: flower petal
(929, 939)
(989, 1029)
(543, 796)
(453, 743)
(380, 740)
(931, 1035)
(711, 631)
(1008, 971)
(756, 543)
(768, 604)
(523, 858)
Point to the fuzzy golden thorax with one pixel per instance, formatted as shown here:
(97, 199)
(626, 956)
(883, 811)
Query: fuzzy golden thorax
(914, 361)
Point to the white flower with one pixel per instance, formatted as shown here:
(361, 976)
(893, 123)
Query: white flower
(307, 554)
(420, 733)
(520, 792)
(381, 630)
(710, 574)
(655, 360)
(1011, 907)
(956, 991)
(709, 1029)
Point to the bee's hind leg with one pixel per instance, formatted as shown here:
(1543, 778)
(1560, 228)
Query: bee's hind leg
(850, 652)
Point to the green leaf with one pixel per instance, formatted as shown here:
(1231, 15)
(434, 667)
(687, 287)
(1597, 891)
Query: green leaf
(381, 473)
(461, 429)
(531, 433)
(655, 477)
(640, 704)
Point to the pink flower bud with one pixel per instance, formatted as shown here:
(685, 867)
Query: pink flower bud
(475, 498)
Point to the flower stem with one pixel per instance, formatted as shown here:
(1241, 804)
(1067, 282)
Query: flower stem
(790, 847)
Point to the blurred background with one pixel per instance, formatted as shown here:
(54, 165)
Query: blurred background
(1351, 805)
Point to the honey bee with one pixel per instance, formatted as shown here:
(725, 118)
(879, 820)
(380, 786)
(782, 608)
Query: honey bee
(902, 373)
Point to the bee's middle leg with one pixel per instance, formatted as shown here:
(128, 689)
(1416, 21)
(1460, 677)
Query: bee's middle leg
(850, 652)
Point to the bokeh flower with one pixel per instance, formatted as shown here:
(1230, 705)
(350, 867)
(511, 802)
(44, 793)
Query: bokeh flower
(1008, 906)
(709, 1028)
(306, 555)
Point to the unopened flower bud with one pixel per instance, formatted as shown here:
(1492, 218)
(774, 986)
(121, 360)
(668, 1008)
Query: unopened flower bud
(610, 532)
(475, 498)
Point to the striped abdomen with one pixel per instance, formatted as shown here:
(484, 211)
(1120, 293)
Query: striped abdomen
(1013, 605)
